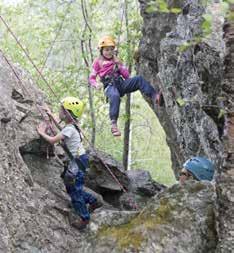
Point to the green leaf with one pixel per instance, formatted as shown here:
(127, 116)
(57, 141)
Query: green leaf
(175, 10)
(184, 46)
(224, 7)
(163, 7)
(221, 113)
(180, 102)
(151, 8)
(207, 24)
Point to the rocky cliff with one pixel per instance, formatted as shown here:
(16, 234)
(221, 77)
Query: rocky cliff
(197, 83)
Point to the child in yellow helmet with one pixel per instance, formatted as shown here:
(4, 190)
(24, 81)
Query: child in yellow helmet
(73, 175)
(115, 78)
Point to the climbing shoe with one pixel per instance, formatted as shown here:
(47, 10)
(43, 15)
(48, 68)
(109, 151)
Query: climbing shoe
(115, 131)
(82, 224)
(159, 99)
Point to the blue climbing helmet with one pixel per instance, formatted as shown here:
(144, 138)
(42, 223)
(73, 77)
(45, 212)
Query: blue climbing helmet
(200, 167)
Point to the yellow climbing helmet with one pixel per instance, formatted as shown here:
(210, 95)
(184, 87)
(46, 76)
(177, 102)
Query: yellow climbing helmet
(75, 105)
(106, 41)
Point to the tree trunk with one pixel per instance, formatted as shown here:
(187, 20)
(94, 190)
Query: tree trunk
(127, 125)
(127, 132)
(86, 60)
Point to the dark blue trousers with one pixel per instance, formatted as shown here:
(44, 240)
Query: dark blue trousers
(79, 197)
(118, 89)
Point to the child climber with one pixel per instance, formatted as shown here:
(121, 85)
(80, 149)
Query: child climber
(73, 175)
(115, 78)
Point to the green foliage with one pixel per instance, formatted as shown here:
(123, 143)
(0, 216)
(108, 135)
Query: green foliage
(161, 6)
(229, 1)
(180, 102)
(222, 112)
(188, 44)
(207, 24)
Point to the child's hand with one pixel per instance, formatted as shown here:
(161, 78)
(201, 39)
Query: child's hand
(41, 128)
(117, 60)
(98, 86)
(46, 109)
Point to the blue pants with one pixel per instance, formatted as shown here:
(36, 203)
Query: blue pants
(79, 197)
(120, 88)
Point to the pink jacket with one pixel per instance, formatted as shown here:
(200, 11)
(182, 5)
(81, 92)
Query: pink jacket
(102, 67)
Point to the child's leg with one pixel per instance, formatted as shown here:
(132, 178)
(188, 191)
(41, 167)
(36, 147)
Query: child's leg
(77, 197)
(138, 83)
(89, 198)
(114, 101)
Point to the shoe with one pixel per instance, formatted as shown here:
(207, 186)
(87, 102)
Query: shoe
(159, 100)
(82, 224)
(76, 221)
(115, 131)
(94, 206)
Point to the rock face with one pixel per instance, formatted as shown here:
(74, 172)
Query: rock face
(29, 221)
(225, 178)
(190, 82)
(177, 220)
(198, 112)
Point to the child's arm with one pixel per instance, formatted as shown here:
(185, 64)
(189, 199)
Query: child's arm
(93, 76)
(51, 139)
(122, 69)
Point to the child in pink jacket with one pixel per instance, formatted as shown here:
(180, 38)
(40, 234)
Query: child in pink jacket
(115, 78)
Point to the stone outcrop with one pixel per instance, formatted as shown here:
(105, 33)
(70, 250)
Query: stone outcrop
(180, 219)
(190, 83)
(225, 178)
(198, 112)
(29, 221)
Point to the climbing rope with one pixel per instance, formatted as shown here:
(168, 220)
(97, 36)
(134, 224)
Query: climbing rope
(46, 119)
(28, 56)
(57, 98)
(56, 36)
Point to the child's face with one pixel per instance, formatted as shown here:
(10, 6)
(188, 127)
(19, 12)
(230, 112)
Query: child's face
(108, 52)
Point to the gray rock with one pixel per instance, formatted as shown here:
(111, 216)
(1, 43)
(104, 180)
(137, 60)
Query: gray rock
(196, 89)
(142, 183)
(180, 219)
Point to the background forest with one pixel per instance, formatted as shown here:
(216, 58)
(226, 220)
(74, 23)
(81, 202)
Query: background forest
(61, 37)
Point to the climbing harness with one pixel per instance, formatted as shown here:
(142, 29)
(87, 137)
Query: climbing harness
(134, 205)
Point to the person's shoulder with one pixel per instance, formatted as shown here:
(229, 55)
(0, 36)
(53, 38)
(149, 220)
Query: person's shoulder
(68, 127)
(97, 62)
(98, 59)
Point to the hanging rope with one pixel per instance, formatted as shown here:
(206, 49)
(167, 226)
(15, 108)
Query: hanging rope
(46, 119)
(28, 56)
(121, 25)
(56, 36)
(43, 78)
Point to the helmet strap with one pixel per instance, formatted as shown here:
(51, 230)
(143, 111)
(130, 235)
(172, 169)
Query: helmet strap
(68, 115)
